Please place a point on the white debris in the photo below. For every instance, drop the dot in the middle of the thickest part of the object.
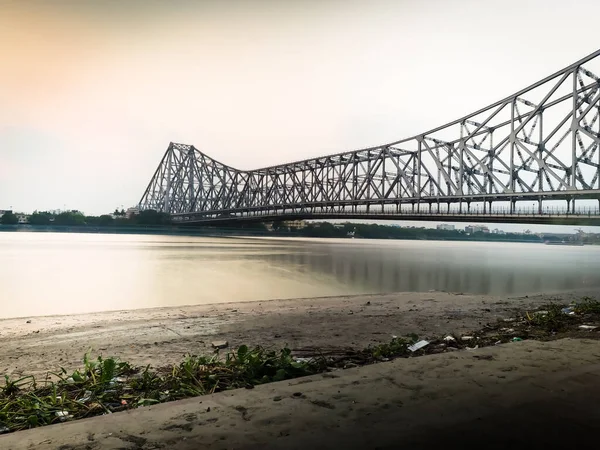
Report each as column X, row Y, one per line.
column 87, row 396
column 588, row 327
column 418, row 345
column 449, row 338
column 220, row 344
column 62, row 415
column 466, row 338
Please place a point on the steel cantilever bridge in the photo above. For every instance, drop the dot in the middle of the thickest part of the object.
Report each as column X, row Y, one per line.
column 506, row 163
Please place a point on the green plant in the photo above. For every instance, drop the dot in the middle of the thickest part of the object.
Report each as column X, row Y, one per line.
column 587, row 305
column 551, row 319
column 396, row 347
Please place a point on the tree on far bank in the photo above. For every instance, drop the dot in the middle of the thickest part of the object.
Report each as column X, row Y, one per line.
column 151, row 217
column 70, row 218
column 40, row 218
column 105, row 220
column 9, row 218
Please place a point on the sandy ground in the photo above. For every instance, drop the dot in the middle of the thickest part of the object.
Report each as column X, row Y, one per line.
column 519, row 395
column 32, row 346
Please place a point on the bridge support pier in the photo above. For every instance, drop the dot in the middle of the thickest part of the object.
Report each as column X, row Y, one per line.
column 540, row 206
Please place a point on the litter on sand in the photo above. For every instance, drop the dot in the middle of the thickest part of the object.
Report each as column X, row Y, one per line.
column 418, row 345
column 220, row 344
column 588, row 327
column 302, row 360
column 569, row 311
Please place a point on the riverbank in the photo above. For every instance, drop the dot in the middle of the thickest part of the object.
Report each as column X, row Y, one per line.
column 162, row 336
column 520, row 395
column 321, row 230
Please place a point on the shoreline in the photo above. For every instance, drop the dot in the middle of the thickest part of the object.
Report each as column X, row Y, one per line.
column 165, row 334
column 580, row 291
column 251, row 233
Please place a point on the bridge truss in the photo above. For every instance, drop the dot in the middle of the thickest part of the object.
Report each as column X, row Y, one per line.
column 542, row 143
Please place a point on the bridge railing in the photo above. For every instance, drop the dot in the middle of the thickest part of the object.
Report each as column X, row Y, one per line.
column 547, row 213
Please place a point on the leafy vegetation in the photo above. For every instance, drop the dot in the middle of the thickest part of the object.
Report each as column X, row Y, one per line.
column 587, row 306
column 375, row 231
column 395, row 348
column 78, row 219
column 9, row 218
column 109, row 385
column 550, row 319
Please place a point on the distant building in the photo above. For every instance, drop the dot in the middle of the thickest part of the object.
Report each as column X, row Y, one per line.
column 132, row 212
column 476, row 229
column 295, row 224
column 23, row 219
column 497, row 231
column 445, row 226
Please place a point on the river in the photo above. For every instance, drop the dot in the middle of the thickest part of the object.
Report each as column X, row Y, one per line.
column 66, row 273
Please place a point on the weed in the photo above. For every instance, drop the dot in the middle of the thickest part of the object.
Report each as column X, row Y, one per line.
column 587, row 305
column 109, row 385
column 395, row 348
column 552, row 319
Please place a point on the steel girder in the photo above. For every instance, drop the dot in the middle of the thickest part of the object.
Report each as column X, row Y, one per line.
column 540, row 143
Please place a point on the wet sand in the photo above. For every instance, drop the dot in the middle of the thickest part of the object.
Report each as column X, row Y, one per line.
column 33, row 346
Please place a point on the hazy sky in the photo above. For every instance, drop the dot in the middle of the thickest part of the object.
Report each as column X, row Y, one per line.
column 92, row 92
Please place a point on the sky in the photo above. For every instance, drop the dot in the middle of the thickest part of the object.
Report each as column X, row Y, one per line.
column 92, row 92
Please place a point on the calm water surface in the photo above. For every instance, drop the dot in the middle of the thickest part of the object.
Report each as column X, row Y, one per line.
column 58, row 273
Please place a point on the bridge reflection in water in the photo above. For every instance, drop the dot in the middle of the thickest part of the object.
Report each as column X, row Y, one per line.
column 420, row 266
